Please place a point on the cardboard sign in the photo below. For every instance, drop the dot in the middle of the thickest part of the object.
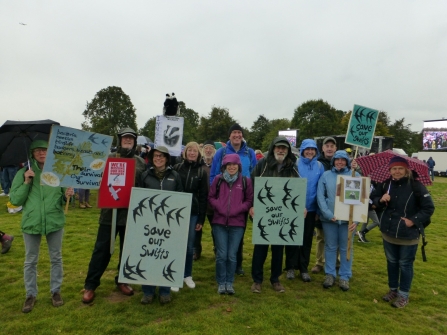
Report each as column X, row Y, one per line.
column 154, row 250
column 352, row 191
column 169, row 133
column 117, row 183
column 279, row 205
column 75, row 158
column 362, row 126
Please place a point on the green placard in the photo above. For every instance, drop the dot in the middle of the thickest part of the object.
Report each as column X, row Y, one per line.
column 362, row 126
column 279, row 205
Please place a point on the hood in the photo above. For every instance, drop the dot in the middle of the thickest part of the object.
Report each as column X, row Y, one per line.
column 341, row 154
column 231, row 158
column 290, row 155
column 37, row 144
column 308, row 143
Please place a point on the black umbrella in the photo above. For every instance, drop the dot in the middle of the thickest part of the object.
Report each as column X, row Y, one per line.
column 16, row 137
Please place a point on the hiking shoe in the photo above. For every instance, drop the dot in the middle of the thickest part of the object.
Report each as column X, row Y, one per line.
column 240, row 271
column 400, row 302
column 57, row 299
column 328, row 281
column 362, row 237
column 290, row 274
column 390, row 296
column 147, row 299
column 305, row 277
column 343, row 284
column 230, row 289
column 256, row 288
column 175, row 289
column 7, row 242
column 317, row 269
column 278, row 287
column 29, row 304
column 189, row 282
column 165, row 299
column 221, row 289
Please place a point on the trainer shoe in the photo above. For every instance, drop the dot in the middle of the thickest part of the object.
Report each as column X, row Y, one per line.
column 189, row 282
column 175, row 289
column 221, row 289
column 147, row 299
column 400, row 302
column 290, row 274
column 57, row 299
column 317, row 269
column 165, row 299
column 29, row 304
column 240, row 271
column 278, row 287
column 343, row 284
column 328, row 281
column 362, row 237
column 390, row 296
column 230, row 289
column 256, row 288
column 305, row 277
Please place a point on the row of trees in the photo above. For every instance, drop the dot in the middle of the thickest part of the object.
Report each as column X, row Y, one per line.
column 112, row 109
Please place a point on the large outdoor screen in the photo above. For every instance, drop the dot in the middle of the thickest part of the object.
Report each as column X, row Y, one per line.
column 434, row 135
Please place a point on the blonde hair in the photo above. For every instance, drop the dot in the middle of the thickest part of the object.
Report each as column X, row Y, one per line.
column 192, row 145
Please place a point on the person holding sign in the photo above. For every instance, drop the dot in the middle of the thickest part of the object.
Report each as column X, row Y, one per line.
column 43, row 214
column 335, row 231
column 159, row 176
column 127, row 143
column 231, row 197
column 280, row 162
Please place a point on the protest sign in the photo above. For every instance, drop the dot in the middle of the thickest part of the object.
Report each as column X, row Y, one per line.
column 75, row 158
column 169, row 133
column 279, row 205
column 352, row 191
column 117, row 183
column 157, row 228
column 362, row 126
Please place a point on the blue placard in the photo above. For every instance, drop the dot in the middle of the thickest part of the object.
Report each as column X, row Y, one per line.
column 154, row 248
column 362, row 126
column 279, row 205
column 75, row 158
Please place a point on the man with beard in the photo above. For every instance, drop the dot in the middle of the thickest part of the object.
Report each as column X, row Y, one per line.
column 127, row 143
column 280, row 162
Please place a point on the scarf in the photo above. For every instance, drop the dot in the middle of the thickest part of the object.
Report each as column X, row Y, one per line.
column 230, row 179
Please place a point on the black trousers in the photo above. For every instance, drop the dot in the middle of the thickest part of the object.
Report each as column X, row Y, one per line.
column 259, row 256
column 198, row 239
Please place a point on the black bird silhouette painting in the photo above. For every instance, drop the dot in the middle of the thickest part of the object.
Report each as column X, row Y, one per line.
column 260, row 197
column 281, row 235
column 139, row 271
column 157, row 212
column 104, row 142
column 138, row 211
column 163, row 204
column 292, row 230
column 294, row 204
column 169, row 216
column 128, row 270
column 178, row 216
column 270, row 195
column 152, row 202
column 167, row 272
column 358, row 116
column 92, row 138
column 261, row 227
column 287, row 196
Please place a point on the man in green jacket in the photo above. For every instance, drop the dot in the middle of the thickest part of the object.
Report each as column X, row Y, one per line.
column 43, row 215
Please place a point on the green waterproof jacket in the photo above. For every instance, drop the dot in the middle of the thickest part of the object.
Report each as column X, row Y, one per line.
column 43, row 206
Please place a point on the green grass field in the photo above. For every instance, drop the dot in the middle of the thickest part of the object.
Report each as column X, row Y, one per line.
column 305, row 308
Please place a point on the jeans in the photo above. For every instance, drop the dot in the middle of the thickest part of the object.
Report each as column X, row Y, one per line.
column 336, row 238
column 190, row 245
column 432, row 173
column 257, row 265
column 101, row 256
column 227, row 240
column 32, row 248
column 150, row 290
column 84, row 195
column 400, row 259
column 8, row 173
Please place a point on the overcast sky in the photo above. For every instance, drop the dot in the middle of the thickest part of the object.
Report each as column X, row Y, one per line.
column 252, row 57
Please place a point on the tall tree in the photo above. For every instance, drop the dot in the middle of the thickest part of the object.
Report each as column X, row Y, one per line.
column 191, row 122
column 215, row 126
column 110, row 110
column 317, row 118
column 148, row 129
column 275, row 126
column 404, row 138
column 261, row 126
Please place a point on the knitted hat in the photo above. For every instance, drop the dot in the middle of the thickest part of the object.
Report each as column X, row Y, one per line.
column 235, row 126
column 398, row 161
column 209, row 142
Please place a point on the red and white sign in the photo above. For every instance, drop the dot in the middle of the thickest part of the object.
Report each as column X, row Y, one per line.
column 117, row 183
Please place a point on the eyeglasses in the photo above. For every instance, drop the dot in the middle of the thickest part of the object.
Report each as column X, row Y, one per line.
column 39, row 150
column 159, row 156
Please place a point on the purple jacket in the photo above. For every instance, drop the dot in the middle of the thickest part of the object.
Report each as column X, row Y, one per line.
column 231, row 204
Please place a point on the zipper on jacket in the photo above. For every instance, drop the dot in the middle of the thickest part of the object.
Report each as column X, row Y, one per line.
column 228, row 206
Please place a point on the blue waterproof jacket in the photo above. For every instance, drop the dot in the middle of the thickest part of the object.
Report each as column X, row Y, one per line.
column 312, row 170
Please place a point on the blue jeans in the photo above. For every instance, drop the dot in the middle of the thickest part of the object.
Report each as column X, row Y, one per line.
column 9, row 172
column 32, row 248
column 190, row 245
column 150, row 290
column 400, row 259
column 431, row 171
column 336, row 237
column 227, row 243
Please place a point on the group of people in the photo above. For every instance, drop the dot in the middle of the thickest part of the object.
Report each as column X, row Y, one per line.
column 221, row 183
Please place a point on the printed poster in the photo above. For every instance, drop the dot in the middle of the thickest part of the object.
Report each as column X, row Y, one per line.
column 75, row 158
column 362, row 126
column 169, row 133
column 279, row 205
column 352, row 191
column 157, row 227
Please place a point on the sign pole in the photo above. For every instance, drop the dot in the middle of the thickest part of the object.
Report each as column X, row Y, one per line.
column 113, row 231
column 351, row 215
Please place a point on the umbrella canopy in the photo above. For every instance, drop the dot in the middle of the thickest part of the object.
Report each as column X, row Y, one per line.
column 143, row 140
column 16, row 137
column 376, row 167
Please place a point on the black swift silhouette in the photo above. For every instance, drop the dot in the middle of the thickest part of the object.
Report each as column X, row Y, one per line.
column 104, row 142
column 281, row 235
column 261, row 227
column 170, row 217
column 152, row 202
column 139, row 271
column 139, row 209
column 269, row 193
column 294, row 204
column 128, row 270
column 178, row 216
column 287, row 196
column 261, row 198
column 92, row 138
column 358, row 115
column 167, row 272
column 292, row 230
column 157, row 213
column 352, row 131
column 163, row 204
column 370, row 116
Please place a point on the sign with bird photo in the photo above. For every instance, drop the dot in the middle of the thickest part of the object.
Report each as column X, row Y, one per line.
column 362, row 126
column 279, row 205
column 75, row 158
column 154, row 248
